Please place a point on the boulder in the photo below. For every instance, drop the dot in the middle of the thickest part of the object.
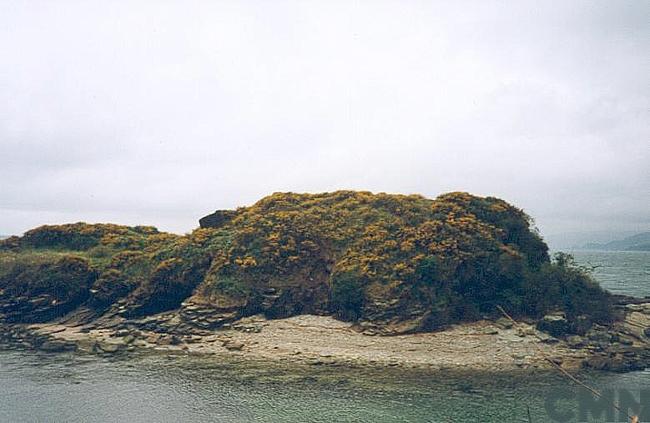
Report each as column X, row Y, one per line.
column 153, row 338
column 636, row 324
column 600, row 336
column 628, row 361
column 233, row 345
column 575, row 342
column 554, row 324
column 503, row 323
column 547, row 339
column 56, row 346
column 217, row 219
column 489, row 331
column 110, row 346
column 641, row 308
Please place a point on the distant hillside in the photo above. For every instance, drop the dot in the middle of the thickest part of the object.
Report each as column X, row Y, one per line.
column 638, row 242
column 572, row 240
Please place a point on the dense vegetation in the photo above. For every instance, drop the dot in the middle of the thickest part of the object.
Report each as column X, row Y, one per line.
column 380, row 258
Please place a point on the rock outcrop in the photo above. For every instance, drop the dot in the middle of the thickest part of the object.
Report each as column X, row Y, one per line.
column 387, row 264
column 217, row 219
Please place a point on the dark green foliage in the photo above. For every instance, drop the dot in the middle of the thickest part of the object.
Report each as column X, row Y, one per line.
column 72, row 237
column 111, row 286
column 427, row 272
column 516, row 225
column 232, row 287
column 64, row 278
column 564, row 286
column 348, row 296
column 82, row 236
column 172, row 281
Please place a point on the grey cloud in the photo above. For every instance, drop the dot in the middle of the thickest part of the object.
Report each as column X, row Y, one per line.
column 159, row 112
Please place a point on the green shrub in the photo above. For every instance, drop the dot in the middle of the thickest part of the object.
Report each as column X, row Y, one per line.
column 83, row 236
column 171, row 282
column 111, row 286
column 564, row 286
column 231, row 287
column 348, row 295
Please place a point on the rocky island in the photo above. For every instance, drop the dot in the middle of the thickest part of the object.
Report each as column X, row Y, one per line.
column 343, row 278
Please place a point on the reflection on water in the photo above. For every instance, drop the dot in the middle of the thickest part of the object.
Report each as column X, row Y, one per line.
column 159, row 388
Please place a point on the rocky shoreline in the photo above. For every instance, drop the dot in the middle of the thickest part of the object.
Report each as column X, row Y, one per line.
column 492, row 346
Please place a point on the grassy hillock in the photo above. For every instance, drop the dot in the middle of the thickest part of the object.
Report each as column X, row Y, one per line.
column 381, row 259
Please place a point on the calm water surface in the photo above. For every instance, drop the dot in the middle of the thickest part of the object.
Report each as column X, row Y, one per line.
column 624, row 272
column 149, row 388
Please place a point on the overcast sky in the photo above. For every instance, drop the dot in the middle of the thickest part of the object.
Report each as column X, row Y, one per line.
column 160, row 112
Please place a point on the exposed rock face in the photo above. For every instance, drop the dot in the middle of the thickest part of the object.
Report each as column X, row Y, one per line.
column 637, row 323
column 217, row 219
column 46, row 291
column 208, row 316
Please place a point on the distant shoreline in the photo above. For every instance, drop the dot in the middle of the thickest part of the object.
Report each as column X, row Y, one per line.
column 638, row 242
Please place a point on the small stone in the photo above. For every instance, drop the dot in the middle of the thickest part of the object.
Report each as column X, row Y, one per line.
column 153, row 338
column 575, row 342
column 164, row 340
column 503, row 323
column 626, row 341
column 109, row 347
column 55, row 346
column 193, row 339
column 233, row 345
column 490, row 331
